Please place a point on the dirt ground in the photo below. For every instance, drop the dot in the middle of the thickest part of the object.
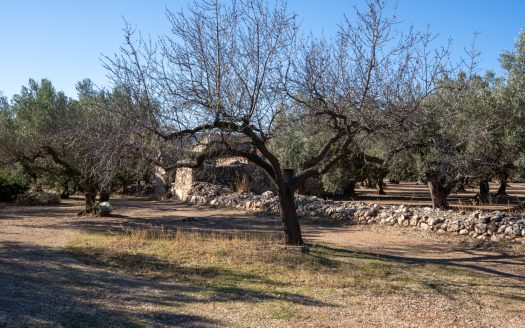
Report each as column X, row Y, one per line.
column 41, row 283
column 411, row 193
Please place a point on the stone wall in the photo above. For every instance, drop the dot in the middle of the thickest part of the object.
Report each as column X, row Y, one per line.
column 159, row 182
column 236, row 175
column 493, row 226
column 184, row 178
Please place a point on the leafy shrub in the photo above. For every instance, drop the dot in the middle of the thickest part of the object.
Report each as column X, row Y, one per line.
column 10, row 186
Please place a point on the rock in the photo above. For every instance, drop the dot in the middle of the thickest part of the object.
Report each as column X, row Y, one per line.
column 105, row 208
column 400, row 219
column 463, row 232
column 434, row 221
column 480, row 228
column 484, row 219
column 513, row 231
column 414, row 220
column 501, row 229
column 453, row 227
column 498, row 217
column 496, row 237
column 424, row 226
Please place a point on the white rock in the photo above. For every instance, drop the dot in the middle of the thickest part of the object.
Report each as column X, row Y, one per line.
column 105, row 208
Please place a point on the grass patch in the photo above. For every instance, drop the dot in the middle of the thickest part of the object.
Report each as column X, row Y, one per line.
column 284, row 282
column 227, row 261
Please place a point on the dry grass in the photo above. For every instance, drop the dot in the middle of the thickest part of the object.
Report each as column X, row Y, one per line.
column 242, row 183
column 324, row 286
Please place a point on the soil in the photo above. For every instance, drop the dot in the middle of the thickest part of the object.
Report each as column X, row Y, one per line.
column 41, row 284
column 417, row 194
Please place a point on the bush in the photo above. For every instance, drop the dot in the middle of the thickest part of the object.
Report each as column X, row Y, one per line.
column 10, row 186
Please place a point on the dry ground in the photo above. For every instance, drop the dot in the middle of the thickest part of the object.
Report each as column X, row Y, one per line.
column 411, row 193
column 57, row 269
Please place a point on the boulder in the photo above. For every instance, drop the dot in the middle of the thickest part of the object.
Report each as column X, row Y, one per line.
column 105, row 208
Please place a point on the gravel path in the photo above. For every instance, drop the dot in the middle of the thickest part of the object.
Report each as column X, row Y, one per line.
column 41, row 284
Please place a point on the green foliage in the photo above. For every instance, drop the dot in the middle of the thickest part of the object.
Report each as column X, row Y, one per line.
column 343, row 176
column 11, row 185
column 298, row 140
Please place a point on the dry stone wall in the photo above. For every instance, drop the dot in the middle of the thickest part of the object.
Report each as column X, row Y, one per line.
column 233, row 175
column 493, row 226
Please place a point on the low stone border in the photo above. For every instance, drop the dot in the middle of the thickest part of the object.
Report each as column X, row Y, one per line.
column 495, row 226
column 37, row 199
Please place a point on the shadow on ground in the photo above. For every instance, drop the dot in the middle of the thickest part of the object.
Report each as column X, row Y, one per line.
column 43, row 286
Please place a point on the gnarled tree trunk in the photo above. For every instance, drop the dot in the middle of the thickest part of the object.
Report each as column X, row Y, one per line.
column 380, row 185
column 502, row 190
column 438, row 191
column 292, row 230
column 484, row 192
column 104, row 195
column 91, row 198
column 65, row 190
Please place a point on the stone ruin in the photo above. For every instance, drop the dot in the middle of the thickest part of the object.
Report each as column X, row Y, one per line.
column 234, row 173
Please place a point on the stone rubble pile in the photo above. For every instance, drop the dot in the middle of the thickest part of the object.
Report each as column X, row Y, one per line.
column 493, row 226
column 37, row 199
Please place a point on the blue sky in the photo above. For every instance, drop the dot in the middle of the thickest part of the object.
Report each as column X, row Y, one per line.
column 63, row 40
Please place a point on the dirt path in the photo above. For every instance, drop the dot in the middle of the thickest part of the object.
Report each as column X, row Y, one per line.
column 41, row 284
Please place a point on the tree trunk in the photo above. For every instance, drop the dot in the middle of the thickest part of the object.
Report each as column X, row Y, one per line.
column 292, row 230
column 380, row 186
column 91, row 197
column 484, row 192
column 502, row 190
column 438, row 194
column 104, row 195
column 65, row 190
column 349, row 189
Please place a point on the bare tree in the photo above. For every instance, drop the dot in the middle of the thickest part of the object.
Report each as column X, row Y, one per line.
column 233, row 69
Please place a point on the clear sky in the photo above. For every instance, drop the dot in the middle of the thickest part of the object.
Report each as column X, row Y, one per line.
column 63, row 40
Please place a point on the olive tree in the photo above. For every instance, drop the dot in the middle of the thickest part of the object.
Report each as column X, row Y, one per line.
column 51, row 135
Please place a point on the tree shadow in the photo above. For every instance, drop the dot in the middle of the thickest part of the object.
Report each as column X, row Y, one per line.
column 509, row 285
column 471, row 262
column 48, row 287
